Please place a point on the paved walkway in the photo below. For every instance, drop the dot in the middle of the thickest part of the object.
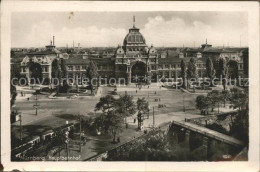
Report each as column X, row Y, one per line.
column 210, row 133
column 133, row 87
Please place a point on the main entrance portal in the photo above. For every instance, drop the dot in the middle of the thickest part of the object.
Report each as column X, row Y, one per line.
column 139, row 73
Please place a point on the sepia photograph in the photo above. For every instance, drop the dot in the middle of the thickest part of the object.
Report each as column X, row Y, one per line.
column 130, row 86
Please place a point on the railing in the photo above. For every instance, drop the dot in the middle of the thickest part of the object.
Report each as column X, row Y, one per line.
column 238, row 143
column 104, row 154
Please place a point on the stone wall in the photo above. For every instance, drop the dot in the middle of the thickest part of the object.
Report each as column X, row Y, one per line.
column 223, row 119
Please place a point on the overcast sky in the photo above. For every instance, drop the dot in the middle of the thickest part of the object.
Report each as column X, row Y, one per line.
column 92, row 29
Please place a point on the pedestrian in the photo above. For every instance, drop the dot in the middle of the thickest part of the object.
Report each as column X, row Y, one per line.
column 136, row 91
column 28, row 98
column 21, row 93
column 148, row 86
column 134, row 120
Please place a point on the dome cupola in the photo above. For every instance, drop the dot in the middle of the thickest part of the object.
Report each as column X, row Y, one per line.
column 134, row 40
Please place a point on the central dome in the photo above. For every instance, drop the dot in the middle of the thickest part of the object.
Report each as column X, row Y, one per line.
column 134, row 37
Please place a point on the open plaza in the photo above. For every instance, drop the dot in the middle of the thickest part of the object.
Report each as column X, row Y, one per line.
column 166, row 105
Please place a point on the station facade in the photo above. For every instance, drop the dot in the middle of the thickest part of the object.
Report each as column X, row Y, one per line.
column 136, row 61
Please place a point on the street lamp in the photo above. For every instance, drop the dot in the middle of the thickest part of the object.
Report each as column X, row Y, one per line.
column 79, row 132
column 36, row 106
column 20, row 119
column 148, row 106
column 183, row 103
column 153, row 118
column 67, row 142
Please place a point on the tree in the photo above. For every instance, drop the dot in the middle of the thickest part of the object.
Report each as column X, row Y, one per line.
column 223, row 72
column 55, row 71
column 240, row 127
column 214, row 98
column 98, row 123
column 239, row 98
column 63, row 68
column 225, row 96
column 125, row 106
column 13, row 94
column 35, row 71
column 232, row 66
column 92, row 74
column 111, row 120
column 62, row 73
column 202, row 103
column 56, row 74
column 106, row 104
column 113, row 124
column 192, row 72
column 143, row 108
column 156, row 147
column 142, row 105
column 210, row 70
column 183, row 73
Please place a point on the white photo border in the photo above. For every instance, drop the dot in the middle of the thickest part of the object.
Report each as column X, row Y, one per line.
column 252, row 8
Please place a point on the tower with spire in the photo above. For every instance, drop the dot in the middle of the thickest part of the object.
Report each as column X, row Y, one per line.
column 206, row 45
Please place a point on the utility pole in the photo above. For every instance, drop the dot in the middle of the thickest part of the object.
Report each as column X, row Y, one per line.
column 125, row 109
column 80, row 132
column 153, row 118
column 36, row 104
column 67, row 142
column 148, row 107
column 218, row 107
column 183, row 103
column 20, row 119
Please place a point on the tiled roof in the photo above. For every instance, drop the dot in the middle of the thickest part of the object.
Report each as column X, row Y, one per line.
column 17, row 58
column 107, row 61
column 174, row 59
column 76, row 59
column 44, row 52
column 224, row 50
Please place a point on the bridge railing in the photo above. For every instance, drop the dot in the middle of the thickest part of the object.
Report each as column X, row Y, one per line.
column 237, row 143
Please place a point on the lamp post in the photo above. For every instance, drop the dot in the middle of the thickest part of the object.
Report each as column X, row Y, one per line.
column 148, row 106
column 67, row 142
column 153, row 118
column 20, row 119
column 79, row 132
column 183, row 103
column 36, row 104
column 125, row 110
